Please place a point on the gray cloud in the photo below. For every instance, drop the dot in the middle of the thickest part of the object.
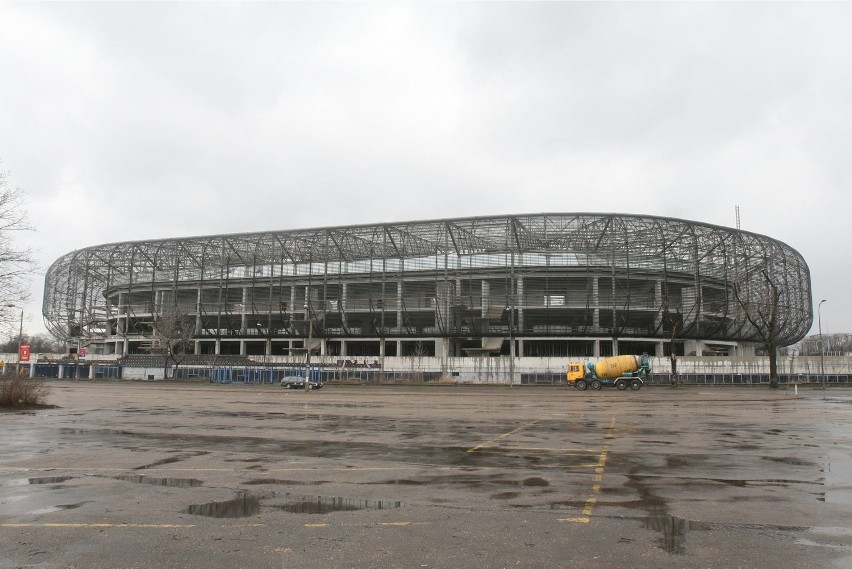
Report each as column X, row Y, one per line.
column 144, row 120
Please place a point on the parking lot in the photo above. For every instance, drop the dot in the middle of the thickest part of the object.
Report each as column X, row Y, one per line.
column 155, row 475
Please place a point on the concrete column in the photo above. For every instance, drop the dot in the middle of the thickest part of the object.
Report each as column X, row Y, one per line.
column 596, row 350
column 344, row 295
column 398, row 309
column 121, row 316
column 243, row 316
column 218, row 348
column 659, row 349
column 693, row 347
column 519, row 288
column 442, row 348
column 615, row 346
column 243, row 344
column 198, row 312
column 486, row 300
column 596, row 312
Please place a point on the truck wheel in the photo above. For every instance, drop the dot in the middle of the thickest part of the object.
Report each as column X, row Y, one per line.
column 621, row 384
column 596, row 384
column 635, row 384
column 581, row 384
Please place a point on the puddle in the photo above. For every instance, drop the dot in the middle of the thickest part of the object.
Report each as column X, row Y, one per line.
column 242, row 506
column 172, row 460
column 285, row 482
column 789, row 460
column 171, row 482
column 838, row 469
column 58, row 508
column 327, row 504
column 674, row 531
column 43, row 480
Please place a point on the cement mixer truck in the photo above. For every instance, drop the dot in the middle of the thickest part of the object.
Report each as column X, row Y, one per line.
column 620, row 372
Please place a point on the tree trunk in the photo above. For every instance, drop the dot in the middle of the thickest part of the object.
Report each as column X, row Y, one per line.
column 773, row 365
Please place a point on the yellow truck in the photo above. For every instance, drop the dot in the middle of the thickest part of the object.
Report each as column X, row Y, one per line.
column 620, row 372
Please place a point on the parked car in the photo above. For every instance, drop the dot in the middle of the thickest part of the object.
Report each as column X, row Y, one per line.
column 298, row 382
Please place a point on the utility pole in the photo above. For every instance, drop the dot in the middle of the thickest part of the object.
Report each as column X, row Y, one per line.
column 308, row 348
column 821, row 349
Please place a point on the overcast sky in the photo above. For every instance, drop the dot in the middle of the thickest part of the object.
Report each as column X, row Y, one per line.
column 127, row 121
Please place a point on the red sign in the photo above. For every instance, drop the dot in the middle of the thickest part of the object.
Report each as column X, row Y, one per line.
column 24, row 353
column 82, row 352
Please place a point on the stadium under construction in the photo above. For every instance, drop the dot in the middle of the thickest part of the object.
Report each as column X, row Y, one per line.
column 532, row 285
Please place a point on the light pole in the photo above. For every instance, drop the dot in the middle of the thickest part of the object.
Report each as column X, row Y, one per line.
column 821, row 349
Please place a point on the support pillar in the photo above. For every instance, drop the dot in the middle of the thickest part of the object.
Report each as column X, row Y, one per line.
column 198, row 312
column 596, row 311
column 519, row 288
column 243, row 317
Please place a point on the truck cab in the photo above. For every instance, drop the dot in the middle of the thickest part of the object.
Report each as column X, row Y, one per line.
column 576, row 370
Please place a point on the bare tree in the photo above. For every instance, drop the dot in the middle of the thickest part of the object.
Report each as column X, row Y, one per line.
column 418, row 351
column 39, row 344
column 760, row 307
column 173, row 334
column 672, row 323
column 17, row 263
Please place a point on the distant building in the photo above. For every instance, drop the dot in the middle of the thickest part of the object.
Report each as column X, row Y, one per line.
column 829, row 345
column 552, row 284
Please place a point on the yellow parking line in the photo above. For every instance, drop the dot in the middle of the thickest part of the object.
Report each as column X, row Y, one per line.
column 103, row 525
column 148, row 470
column 503, row 436
column 98, row 525
column 569, row 451
column 592, row 500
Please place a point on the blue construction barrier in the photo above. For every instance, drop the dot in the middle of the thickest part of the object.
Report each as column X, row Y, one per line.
column 746, row 378
column 255, row 375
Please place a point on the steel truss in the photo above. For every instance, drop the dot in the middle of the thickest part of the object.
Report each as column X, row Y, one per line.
column 554, row 275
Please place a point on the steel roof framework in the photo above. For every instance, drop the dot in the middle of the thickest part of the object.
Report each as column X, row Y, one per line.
column 630, row 250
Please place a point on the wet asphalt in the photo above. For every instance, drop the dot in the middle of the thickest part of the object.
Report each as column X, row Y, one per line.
column 196, row 475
